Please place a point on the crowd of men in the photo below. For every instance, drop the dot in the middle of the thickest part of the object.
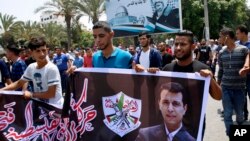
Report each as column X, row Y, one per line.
column 228, row 54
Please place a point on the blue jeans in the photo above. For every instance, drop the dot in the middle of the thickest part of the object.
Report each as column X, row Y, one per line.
column 233, row 99
column 247, row 94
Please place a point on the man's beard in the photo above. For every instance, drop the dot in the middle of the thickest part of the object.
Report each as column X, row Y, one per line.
column 104, row 47
column 185, row 56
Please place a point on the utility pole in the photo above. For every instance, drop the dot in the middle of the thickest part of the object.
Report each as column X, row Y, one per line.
column 207, row 34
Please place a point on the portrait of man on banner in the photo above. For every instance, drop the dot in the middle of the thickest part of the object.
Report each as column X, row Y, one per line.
column 127, row 103
column 166, row 13
column 173, row 106
column 130, row 17
column 114, row 105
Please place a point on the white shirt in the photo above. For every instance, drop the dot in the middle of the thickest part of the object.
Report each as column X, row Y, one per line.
column 172, row 134
column 43, row 78
column 144, row 59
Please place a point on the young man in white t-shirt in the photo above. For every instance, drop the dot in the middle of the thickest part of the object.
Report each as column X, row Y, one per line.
column 44, row 75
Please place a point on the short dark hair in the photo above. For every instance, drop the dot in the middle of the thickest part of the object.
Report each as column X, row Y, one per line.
column 102, row 24
column 174, row 87
column 88, row 48
column 242, row 28
column 158, row 2
column 36, row 42
column 14, row 48
column 187, row 33
column 227, row 32
column 144, row 33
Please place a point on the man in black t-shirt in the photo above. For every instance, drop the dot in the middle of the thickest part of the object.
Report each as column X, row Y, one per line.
column 166, row 58
column 184, row 45
column 204, row 53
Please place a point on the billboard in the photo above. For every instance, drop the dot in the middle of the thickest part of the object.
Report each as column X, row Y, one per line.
column 129, row 17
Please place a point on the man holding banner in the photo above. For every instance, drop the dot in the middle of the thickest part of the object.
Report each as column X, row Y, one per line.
column 184, row 44
column 44, row 75
column 108, row 56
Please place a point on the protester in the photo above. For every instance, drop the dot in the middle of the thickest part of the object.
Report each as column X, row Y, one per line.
column 108, row 56
column 44, row 75
column 78, row 61
column 183, row 47
column 4, row 74
column 231, row 60
column 148, row 58
column 166, row 58
column 242, row 37
column 88, row 58
column 63, row 63
column 18, row 65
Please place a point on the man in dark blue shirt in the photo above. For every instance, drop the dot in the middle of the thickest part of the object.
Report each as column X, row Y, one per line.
column 18, row 65
column 4, row 74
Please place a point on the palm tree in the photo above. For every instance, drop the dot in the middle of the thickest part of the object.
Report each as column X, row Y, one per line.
column 8, row 25
column 54, row 33
column 27, row 30
column 7, row 21
column 64, row 8
column 92, row 8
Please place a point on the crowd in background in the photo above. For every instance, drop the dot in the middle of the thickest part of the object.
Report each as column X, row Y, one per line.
column 14, row 60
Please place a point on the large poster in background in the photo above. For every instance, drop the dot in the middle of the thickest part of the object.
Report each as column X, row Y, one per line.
column 106, row 105
column 129, row 17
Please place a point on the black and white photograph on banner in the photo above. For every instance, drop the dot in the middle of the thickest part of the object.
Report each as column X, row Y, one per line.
column 130, row 17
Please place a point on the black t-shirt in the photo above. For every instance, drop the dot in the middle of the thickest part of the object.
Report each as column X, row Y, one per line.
column 29, row 61
column 166, row 59
column 204, row 53
column 195, row 66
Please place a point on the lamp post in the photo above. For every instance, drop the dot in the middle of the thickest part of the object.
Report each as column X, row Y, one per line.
column 207, row 35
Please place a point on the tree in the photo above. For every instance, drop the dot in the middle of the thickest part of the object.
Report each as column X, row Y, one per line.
column 87, row 39
column 8, row 25
column 228, row 13
column 64, row 8
column 91, row 8
column 76, row 32
column 54, row 33
column 27, row 30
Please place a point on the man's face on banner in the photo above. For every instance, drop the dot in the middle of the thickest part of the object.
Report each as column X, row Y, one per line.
column 159, row 6
column 183, row 47
column 172, row 109
column 102, row 38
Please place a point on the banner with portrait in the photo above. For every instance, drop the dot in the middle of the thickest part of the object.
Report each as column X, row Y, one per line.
column 129, row 17
column 104, row 104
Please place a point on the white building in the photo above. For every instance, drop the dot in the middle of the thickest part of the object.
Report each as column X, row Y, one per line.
column 52, row 17
column 56, row 18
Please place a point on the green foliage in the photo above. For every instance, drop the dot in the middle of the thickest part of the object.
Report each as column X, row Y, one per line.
column 54, row 33
column 8, row 25
column 64, row 8
column 229, row 13
column 87, row 39
column 91, row 8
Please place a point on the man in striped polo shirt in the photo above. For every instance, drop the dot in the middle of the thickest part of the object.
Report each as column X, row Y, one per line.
column 231, row 59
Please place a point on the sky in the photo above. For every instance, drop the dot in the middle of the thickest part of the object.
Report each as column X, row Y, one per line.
column 24, row 10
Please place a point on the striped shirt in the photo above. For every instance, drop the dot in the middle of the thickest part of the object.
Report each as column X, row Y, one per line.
column 230, row 62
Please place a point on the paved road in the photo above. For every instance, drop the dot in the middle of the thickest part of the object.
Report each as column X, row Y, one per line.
column 215, row 128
